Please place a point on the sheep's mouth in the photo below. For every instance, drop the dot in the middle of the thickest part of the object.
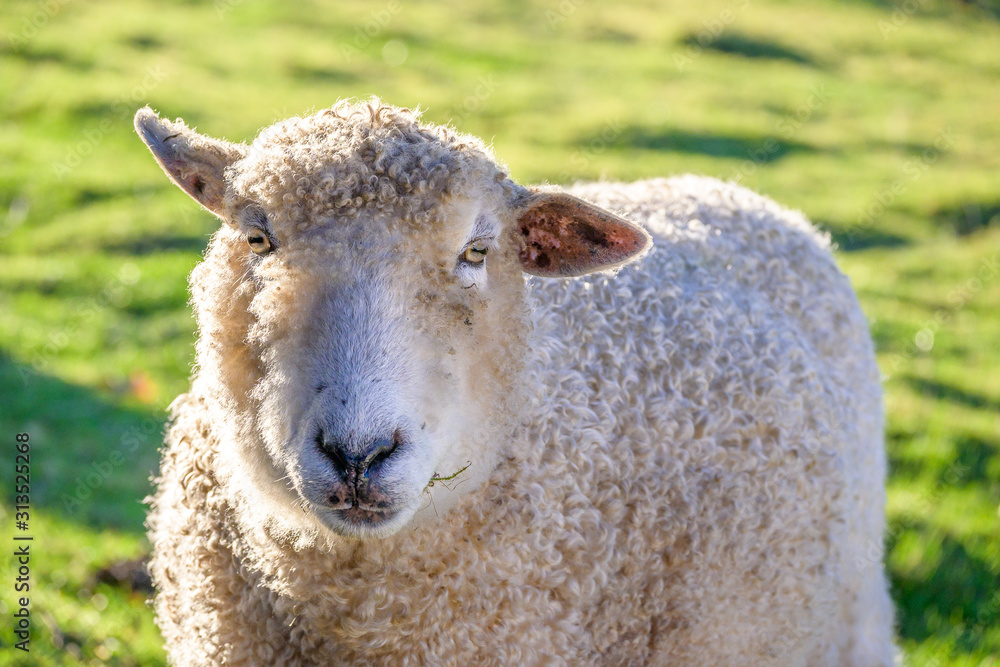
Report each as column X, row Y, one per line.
column 365, row 518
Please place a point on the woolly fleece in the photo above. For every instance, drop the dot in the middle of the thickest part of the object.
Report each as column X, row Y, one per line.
column 696, row 477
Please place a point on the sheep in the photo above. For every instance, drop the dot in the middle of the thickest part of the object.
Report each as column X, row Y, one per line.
column 442, row 418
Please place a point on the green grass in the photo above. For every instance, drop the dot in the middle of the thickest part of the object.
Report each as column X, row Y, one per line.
column 879, row 124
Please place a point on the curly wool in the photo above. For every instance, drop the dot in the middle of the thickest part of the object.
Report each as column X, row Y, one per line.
column 356, row 157
column 696, row 479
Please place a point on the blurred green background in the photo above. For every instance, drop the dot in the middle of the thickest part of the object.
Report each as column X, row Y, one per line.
column 880, row 121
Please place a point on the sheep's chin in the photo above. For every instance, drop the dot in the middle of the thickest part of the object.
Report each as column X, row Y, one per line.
column 353, row 524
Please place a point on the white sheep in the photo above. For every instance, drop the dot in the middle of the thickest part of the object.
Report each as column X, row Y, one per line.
column 399, row 450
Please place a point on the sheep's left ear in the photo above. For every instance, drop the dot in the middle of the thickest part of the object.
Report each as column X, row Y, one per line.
column 565, row 236
column 196, row 163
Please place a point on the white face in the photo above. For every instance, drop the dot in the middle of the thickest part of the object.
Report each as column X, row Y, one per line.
column 388, row 377
column 367, row 370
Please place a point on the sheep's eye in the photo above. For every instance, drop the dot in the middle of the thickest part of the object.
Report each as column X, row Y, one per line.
column 475, row 253
column 259, row 243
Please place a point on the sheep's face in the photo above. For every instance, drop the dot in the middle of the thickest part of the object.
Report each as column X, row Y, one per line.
column 363, row 314
column 391, row 356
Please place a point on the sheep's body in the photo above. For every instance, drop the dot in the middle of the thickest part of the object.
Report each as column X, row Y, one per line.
column 697, row 480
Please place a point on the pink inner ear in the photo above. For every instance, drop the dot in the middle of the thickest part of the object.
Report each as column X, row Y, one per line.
column 572, row 238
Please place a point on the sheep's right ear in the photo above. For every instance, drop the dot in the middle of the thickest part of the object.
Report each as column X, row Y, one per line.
column 196, row 163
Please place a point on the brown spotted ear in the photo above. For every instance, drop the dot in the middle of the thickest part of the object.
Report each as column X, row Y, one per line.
column 565, row 236
column 193, row 161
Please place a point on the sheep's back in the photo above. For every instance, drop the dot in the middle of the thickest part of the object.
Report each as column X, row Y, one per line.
column 718, row 406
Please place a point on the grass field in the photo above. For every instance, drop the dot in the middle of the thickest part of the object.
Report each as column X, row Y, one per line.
column 879, row 121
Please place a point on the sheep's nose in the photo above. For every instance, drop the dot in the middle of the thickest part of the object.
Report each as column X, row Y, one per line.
column 353, row 463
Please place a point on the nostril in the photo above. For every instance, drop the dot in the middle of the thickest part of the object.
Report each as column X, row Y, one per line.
column 381, row 450
column 379, row 456
column 335, row 452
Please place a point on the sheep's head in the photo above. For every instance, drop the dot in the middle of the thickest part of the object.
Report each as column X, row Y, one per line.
column 363, row 313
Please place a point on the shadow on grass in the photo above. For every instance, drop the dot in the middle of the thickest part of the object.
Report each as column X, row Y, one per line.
column 91, row 459
column 748, row 46
column 851, row 240
column 756, row 148
column 150, row 245
column 952, row 585
column 94, row 195
column 915, row 469
column 320, row 74
column 38, row 56
column 913, row 148
column 976, row 462
column 968, row 217
column 144, row 42
column 952, row 393
column 991, row 8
